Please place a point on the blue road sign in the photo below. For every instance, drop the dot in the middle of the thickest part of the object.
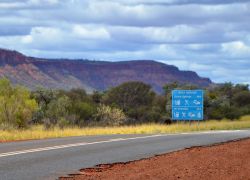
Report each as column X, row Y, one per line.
column 187, row 104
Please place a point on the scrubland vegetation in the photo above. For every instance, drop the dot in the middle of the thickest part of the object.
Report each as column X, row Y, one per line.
column 131, row 107
column 38, row 131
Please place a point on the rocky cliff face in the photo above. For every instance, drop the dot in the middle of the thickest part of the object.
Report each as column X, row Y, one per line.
column 90, row 75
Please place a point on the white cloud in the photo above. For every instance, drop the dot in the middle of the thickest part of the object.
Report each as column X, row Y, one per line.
column 90, row 33
column 37, row 2
column 211, row 37
column 23, row 4
column 27, row 39
column 236, row 49
column 6, row 5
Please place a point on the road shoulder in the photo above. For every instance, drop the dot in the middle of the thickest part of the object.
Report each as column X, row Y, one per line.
column 222, row 161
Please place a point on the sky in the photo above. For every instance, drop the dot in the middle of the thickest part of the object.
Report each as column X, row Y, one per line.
column 211, row 37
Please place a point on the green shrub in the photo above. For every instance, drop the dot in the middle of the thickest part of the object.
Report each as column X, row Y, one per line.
column 130, row 95
column 232, row 113
column 84, row 110
column 242, row 98
column 57, row 109
column 62, row 123
column 16, row 106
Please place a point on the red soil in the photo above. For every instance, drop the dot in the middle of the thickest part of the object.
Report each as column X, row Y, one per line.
column 229, row 161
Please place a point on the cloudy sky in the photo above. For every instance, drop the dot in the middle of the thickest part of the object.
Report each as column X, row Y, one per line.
column 211, row 37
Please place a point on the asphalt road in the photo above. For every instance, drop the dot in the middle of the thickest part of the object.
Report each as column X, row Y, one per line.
column 51, row 158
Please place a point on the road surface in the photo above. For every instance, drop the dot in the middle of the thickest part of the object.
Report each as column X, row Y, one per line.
column 51, row 158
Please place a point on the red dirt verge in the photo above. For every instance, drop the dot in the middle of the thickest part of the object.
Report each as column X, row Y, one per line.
column 229, row 161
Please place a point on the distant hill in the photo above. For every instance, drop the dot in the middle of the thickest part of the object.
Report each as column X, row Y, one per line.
column 90, row 75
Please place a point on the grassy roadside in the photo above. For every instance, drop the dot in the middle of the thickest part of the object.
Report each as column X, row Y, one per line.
column 37, row 132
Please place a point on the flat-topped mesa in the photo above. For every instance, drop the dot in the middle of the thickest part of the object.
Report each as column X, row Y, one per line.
column 12, row 57
column 91, row 75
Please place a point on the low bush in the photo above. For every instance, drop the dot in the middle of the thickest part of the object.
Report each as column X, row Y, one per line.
column 109, row 116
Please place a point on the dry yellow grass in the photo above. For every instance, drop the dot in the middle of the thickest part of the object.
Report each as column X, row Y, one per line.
column 37, row 132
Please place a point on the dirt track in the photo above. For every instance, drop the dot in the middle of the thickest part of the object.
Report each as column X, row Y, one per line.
column 226, row 161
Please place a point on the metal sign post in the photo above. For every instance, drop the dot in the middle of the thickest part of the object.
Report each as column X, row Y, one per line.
column 187, row 105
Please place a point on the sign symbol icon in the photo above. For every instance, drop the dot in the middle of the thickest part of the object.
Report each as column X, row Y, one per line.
column 177, row 102
column 183, row 114
column 196, row 102
column 191, row 114
column 186, row 102
column 177, row 114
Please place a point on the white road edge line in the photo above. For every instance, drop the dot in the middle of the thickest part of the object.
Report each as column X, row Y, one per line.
column 106, row 141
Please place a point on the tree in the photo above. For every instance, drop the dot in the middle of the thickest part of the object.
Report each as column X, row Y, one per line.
column 58, row 109
column 16, row 106
column 169, row 87
column 130, row 95
column 78, row 95
column 83, row 110
column 226, row 90
column 241, row 87
column 82, row 106
column 134, row 98
column 43, row 97
column 242, row 98
column 227, row 101
column 97, row 97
